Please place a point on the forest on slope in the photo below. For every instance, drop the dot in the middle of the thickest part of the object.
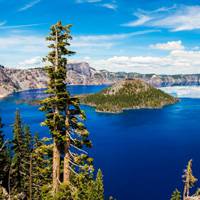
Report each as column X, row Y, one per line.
column 128, row 94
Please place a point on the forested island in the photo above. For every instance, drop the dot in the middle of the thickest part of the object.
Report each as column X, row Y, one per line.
column 128, row 94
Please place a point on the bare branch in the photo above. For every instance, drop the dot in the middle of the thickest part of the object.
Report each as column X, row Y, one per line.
column 81, row 166
column 73, row 170
column 4, row 144
column 79, row 149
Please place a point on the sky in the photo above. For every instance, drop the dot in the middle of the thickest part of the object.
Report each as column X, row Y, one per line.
column 144, row 36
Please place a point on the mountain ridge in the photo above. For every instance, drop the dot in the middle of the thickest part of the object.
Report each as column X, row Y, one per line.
column 14, row 80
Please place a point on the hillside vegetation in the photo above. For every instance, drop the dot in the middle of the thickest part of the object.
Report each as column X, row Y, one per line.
column 128, row 94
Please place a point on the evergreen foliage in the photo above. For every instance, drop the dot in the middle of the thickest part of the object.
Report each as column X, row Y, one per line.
column 17, row 170
column 128, row 94
column 176, row 195
column 4, row 158
column 99, row 186
column 41, row 166
column 188, row 179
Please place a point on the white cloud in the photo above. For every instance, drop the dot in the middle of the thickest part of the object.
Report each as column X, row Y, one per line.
column 112, row 36
column 15, row 48
column 176, row 62
column 142, row 19
column 158, row 10
column 111, row 5
column 2, row 23
column 26, row 51
column 106, row 41
column 21, row 43
column 18, row 26
column 88, row 1
column 171, row 45
column 183, row 91
column 182, row 18
column 29, row 5
column 21, row 46
column 32, row 62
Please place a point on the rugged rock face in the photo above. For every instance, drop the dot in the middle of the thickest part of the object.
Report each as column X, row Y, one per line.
column 12, row 80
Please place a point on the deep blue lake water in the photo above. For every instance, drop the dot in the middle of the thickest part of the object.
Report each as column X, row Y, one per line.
column 142, row 153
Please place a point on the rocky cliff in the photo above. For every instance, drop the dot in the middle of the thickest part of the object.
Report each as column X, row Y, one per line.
column 12, row 80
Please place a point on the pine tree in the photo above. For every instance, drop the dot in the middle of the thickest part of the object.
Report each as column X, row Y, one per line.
column 27, row 161
column 63, row 114
column 41, row 166
column 188, row 179
column 176, row 195
column 4, row 159
column 99, row 186
column 17, row 166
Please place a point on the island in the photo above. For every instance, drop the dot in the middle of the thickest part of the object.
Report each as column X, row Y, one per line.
column 128, row 94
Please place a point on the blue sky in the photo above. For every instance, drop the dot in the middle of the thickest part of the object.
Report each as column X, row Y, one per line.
column 118, row 35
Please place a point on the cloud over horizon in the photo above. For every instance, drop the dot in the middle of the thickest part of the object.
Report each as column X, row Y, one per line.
column 177, row 61
column 171, row 45
column 181, row 18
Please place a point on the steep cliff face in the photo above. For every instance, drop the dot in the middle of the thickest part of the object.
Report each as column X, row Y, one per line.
column 12, row 80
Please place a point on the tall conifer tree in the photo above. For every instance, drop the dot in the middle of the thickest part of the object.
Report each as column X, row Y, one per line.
column 27, row 160
column 63, row 114
column 4, row 158
column 41, row 166
column 99, row 186
column 17, row 165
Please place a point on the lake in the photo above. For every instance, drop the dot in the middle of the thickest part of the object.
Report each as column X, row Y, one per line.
column 142, row 153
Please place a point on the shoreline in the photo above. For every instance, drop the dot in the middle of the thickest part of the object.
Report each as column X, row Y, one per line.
column 2, row 96
column 131, row 108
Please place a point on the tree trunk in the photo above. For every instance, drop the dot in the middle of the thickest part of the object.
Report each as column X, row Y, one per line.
column 56, row 149
column 56, row 166
column 66, row 170
column 9, row 188
column 184, row 193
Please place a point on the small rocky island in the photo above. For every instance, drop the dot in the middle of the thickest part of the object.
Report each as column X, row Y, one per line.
column 128, row 94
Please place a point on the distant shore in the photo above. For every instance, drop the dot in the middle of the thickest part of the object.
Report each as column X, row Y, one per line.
column 4, row 95
column 27, row 89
